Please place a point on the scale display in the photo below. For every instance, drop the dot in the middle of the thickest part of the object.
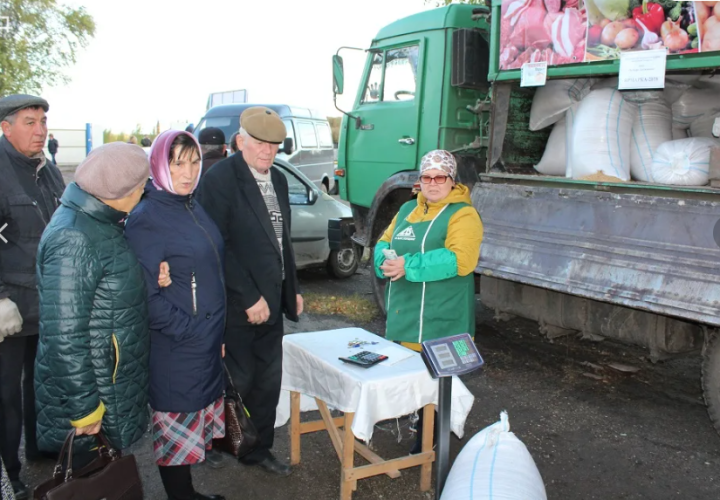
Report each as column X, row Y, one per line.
column 455, row 355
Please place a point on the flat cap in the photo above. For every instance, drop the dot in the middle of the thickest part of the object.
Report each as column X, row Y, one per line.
column 14, row 103
column 263, row 124
column 211, row 136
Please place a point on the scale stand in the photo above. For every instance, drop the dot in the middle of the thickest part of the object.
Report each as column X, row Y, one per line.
column 445, row 358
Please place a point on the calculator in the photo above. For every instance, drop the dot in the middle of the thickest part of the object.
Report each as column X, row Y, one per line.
column 365, row 359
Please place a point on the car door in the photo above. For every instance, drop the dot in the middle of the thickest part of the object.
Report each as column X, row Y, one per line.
column 388, row 110
column 309, row 223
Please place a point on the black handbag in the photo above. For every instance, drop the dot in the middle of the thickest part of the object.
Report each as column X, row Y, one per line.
column 241, row 436
column 110, row 476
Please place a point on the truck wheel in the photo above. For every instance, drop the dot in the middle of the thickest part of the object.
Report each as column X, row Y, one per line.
column 344, row 262
column 711, row 378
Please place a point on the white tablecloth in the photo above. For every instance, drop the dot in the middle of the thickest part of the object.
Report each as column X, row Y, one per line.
column 389, row 389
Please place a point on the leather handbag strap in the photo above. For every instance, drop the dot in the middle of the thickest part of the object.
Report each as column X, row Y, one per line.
column 104, row 447
column 67, row 446
column 236, row 394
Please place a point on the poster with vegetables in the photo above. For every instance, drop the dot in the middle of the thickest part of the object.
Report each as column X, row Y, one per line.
column 630, row 25
column 707, row 15
column 573, row 31
column 542, row 30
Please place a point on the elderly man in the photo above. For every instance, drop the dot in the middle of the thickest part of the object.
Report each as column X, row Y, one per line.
column 248, row 200
column 29, row 192
column 214, row 149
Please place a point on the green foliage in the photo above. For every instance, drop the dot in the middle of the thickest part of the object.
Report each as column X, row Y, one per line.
column 110, row 136
column 42, row 40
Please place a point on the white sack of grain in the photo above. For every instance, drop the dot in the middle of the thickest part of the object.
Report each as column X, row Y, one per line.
column 683, row 163
column 601, row 135
column 554, row 98
column 494, row 465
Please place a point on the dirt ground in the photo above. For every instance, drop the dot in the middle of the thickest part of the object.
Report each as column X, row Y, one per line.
column 594, row 432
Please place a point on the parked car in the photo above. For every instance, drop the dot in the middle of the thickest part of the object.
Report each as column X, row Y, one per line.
column 310, row 145
column 322, row 227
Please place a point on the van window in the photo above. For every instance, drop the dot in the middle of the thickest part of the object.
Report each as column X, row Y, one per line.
column 400, row 74
column 324, row 135
column 307, row 135
column 228, row 124
column 290, row 132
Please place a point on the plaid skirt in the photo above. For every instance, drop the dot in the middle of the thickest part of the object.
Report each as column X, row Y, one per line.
column 182, row 438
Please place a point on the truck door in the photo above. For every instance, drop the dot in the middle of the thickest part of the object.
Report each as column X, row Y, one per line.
column 388, row 106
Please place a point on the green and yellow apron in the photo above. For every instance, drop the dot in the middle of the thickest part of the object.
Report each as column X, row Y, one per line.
column 418, row 311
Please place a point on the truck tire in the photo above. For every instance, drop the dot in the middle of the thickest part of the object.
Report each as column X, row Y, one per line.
column 711, row 378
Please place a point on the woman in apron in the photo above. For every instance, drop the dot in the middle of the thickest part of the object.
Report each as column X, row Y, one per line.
column 431, row 292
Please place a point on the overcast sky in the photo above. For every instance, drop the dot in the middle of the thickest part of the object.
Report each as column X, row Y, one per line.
column 155, row 60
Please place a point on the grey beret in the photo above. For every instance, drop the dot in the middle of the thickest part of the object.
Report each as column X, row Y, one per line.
column 14, row 103
column 263, row 124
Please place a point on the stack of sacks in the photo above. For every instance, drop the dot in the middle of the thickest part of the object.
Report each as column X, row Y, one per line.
column 556, row 104
column 652, row 126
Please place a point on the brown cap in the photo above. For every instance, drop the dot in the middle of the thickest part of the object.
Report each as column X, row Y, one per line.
column 263, row 124
column 113, row 171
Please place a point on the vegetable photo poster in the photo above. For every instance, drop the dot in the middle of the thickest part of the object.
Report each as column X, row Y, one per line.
column 616, row 26
column 573, row 31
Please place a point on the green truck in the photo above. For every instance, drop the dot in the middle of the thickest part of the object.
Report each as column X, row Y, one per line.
column 629, row 261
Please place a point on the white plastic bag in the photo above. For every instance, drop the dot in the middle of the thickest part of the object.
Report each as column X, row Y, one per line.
column 555, row 156
column 494, row 465
column 554, row 98
column 693, row 104
column 683, row 163
column 601, row 135
column 652, row 126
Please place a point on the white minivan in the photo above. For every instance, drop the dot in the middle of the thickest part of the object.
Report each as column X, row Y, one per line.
column 310, row 146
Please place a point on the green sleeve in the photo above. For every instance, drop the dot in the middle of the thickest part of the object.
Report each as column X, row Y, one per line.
column 379, row 257
column 68, row 272
column 435, row 265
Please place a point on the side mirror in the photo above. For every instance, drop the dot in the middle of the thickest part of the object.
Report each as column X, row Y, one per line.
column 312, row 197
column 190, row 128
column 288, row 146
column 338, row 75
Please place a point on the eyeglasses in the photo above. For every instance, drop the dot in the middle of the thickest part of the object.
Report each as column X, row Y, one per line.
column 439, row 179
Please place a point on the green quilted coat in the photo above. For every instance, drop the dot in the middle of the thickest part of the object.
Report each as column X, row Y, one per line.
column 94, row 338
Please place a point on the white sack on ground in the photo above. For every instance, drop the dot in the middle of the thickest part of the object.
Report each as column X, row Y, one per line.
column 601, row 135
column 554, row 98
column 652, row 127
column 494, row 465
column 555, row 155
column 683, row 163
column 693, row 104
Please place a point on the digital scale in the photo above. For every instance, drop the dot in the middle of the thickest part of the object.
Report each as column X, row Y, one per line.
column 445, row 358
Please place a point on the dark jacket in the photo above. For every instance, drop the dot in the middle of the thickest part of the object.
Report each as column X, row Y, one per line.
column 209, row 159
column 53, row 146
column 253, row 266
column 94, row 340
column 28, row 198
column 186, row 372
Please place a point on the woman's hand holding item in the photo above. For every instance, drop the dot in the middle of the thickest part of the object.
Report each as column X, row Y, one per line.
column 259, row 313
column 164, row 278
column 394, row 269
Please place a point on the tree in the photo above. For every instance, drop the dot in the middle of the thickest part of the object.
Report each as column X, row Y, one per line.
column 41, row 40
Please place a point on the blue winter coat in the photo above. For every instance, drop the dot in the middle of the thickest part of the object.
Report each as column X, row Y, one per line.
column 187, row 327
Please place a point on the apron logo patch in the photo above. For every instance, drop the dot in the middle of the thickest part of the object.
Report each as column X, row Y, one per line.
column 406, row 234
